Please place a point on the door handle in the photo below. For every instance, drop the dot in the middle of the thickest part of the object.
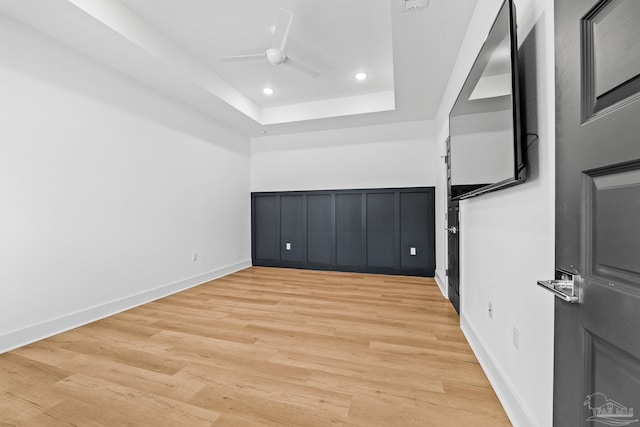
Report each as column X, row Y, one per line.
column 564, row 286
column 452, row 230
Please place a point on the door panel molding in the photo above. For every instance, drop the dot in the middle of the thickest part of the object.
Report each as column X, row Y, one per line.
column 610, row 76
column 610, row 370
column 611, row 203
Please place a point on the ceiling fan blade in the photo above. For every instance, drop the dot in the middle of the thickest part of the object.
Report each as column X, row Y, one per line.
column 283, row 25
column 243, row 57
column 301, row 67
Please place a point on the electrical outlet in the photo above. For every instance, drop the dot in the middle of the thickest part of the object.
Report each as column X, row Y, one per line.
column 516, row 338
column 412, row 251
column 490, row 309
column 194, row 257
column 287, row 246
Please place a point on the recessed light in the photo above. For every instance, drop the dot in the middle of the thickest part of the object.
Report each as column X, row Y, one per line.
column 360, row 76
column 268, row 91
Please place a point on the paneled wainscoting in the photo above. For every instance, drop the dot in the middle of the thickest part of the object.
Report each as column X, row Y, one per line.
column 263, row 346
column 379, row 230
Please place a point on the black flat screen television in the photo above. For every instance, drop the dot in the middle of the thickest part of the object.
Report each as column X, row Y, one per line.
column 485, row 129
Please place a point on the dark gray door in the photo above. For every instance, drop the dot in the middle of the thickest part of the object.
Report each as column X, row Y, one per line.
column 453, row 252
column 597, row 340
column 453, row 239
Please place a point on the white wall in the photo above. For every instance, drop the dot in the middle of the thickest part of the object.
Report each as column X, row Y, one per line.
column 507, row 237
column 106, row 191
column 396, row 155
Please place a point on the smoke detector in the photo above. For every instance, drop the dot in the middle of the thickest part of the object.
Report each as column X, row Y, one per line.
column 410, row 5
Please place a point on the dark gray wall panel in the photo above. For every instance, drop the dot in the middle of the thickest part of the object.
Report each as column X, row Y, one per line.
column 266, row 227
column 349, row 248
column 319, row 229
column 416, row 223
column 291, row 228
column 381, row 230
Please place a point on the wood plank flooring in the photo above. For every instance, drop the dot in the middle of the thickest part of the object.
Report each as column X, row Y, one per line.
column 260, row 347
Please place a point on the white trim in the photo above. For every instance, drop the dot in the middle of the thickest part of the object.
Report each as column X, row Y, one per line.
column 517, row 413
column 442, row 284
column 334, row 107
column 33, row 333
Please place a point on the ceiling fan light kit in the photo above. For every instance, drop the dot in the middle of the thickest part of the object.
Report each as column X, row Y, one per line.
column 276, row 55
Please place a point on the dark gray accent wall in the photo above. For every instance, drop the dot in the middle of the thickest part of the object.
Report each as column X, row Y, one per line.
column 387, row 231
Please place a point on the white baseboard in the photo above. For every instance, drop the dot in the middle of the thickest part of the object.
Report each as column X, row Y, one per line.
column 441, row 284
column 30, row 334
column 516, row 412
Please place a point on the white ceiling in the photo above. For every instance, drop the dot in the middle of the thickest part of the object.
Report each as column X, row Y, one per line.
column 175, row 47
column 331, row 38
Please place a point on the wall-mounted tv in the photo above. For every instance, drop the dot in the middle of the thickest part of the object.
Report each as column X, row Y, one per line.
column 485, row 129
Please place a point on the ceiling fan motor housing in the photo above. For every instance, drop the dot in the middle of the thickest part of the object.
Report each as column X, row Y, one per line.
column 275, row 56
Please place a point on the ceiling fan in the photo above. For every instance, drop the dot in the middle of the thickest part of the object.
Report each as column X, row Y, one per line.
column 276, row 55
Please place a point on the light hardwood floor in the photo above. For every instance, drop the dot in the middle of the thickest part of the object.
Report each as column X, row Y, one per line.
column 260, row 347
